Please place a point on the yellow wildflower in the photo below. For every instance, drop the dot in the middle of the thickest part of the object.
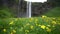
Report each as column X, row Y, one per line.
column 48, row 25
column 43, row 26
column 47, row 20
column 31, row 19
column 48, row 30
column 4, row 30
column 31, row 27
column 11, row 33
column 14, row 31
column 11, row 22
column 36, row 20
column 53, row 22
column 26, row 30
column 44, row 16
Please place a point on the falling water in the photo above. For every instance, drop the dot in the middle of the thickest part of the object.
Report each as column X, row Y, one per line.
column 29, row 9
column 28, row 12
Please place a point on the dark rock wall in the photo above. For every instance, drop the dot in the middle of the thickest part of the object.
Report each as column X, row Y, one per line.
column 40, row 8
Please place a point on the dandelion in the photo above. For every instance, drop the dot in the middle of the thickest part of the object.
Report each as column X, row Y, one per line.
column 11, row 22
column 47, row 20
column 26, row 30
column 48, row 25
column 4, row 30
column 14, row 31
column 53, row 22
column 31, row 27
column 11, row 33
column 36, row 20
column 31, row 19
column 48, row 30
column 44, row 16
column 43, row 26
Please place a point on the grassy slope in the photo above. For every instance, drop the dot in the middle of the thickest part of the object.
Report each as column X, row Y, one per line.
column 55, row 12
column 30, row 25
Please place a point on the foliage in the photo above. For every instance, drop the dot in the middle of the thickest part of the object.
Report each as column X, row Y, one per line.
column 55, row 2
column 40, row 25
column 5, row 13
column 55, row 12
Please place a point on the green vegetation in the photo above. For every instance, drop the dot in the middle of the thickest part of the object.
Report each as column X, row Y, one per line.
column 55, row 12
column 40, row 25
column 5, row 13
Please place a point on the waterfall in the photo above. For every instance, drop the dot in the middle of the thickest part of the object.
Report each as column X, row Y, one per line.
column 28, row 9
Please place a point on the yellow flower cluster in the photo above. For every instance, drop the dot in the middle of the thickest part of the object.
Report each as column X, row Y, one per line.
column 44, row 16
column 43, row 26
column 4, row 30
column 32, row 24
column 31, row 19
column 36, row 20
column 48, row 29
column 31, row 27
column 14, row 31
column 11, row 22
column 26, row 30
column 11, row 33
column 53, row 22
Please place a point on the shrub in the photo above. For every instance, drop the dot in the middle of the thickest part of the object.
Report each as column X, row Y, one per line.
column 55, row 12
column 5, row 13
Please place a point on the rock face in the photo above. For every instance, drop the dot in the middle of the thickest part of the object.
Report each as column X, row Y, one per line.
column 40, row 8
column 37, row 9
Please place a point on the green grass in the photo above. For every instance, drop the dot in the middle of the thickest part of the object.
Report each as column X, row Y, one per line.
column 6, row 13
column 55, row 12
column 39, row 25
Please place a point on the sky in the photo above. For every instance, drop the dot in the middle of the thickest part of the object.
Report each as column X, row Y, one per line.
column 36, row 0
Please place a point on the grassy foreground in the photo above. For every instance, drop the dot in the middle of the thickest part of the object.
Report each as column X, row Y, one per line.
column 39, row 25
